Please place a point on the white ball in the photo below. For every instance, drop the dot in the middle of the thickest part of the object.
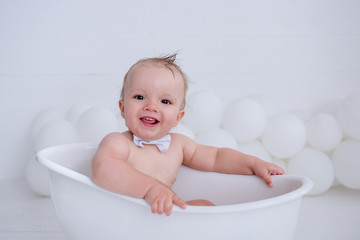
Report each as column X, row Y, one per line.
column 94, row 124
column 336, row 182
column 43, row 118
column 315, row 165
column 348, row 115
column 122, row 123
column 217, row 137
column 284, row 136
column 184, row 130
column 37, row 177
column 255, row 148
column 56, row 133
column 281, row 163
column 346, row 159
column 324, row 132
column 203, row 111
column 330, row 107
column 245, row 119
column 303, row 114
column 269, row 104
column 75, row 111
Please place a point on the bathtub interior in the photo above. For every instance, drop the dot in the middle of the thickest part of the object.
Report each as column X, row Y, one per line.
column 74, row 161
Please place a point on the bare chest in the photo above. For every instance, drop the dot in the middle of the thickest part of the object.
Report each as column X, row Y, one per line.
column 162, row 166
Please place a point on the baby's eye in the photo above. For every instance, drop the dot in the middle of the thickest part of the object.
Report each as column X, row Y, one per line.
column 165, row 101
column 139, row 97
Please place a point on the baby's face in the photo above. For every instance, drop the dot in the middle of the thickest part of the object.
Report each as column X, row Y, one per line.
column 152, row 102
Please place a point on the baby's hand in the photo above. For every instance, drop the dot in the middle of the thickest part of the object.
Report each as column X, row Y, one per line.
column 161, row 199
column 264, row 170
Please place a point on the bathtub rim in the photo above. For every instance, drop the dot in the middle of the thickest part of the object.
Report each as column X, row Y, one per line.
column 302, row 190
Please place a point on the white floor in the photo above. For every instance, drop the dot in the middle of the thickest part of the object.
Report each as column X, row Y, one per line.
column 334, row 215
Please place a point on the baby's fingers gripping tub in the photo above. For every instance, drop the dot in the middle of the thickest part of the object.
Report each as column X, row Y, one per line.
column 246, row 208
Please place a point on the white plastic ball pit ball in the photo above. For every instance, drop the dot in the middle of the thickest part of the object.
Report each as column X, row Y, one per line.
column 122, row 124
column 75, row 111
column 56, row 133
column 304, row 114
column 204, row 111
column 315, row 165
column 346, row 159
column 284, row 136
column 245, row 119
column 37, row 177
column 324, row 132
column 269, row 103
column 43, row 118
column 184, row 130
column 94, row 124
column 255, row 148
column 217, row 137
column 281, row 163
column 348, row 115
column 330, row 107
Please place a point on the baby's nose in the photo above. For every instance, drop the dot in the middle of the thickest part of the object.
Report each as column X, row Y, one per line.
column 151, row 106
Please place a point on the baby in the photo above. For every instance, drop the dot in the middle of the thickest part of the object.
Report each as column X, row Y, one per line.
column 144, row 161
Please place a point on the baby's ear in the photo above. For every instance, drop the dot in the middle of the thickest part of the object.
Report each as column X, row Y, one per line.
column 179, row 117
column 121, row 106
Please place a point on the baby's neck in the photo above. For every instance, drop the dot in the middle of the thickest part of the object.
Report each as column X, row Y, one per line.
column 149, row 140
column 162, row 143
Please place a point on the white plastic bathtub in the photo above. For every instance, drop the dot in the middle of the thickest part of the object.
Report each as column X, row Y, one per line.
column 246, row 208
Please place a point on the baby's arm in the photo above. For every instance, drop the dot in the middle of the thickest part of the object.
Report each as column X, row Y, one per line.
column 227, row 160
column 111, row 171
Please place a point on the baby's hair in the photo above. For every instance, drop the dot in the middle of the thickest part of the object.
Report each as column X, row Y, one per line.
column 168, row 61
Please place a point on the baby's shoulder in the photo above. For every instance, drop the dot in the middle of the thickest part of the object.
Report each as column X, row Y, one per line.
column 181, row 139
column 116, row 138
column 114, row 144
column 178, row 137
column 188, row 145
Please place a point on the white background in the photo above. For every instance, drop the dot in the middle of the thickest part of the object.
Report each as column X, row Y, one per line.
column 54, row 54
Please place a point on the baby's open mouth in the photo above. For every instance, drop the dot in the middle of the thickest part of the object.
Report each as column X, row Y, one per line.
column 149, row 121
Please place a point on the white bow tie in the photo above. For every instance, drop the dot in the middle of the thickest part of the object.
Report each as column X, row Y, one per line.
column 162, row 143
